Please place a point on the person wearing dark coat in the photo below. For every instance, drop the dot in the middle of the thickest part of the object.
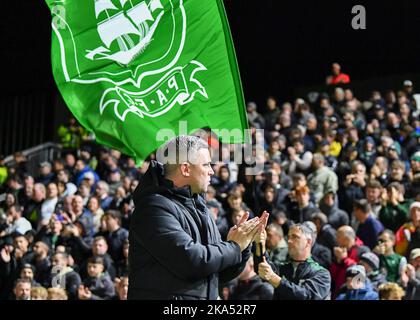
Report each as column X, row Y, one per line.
column 217, row 213
column 272, row 198
column 115, row 235
column 28, row 272
column 414, row 241
column 271, row 115
column 329, row 206
column 371, row 263
column 41, row 262
column 98, row 285
column 327, row 235
column 51, row 234
column 410, row 276
column 304, row 209
column 176, row 251
column 322, row 255
column 281, row 183
column 9, row 268
column 45, row 176
column 99, row 249
column 222, row 184
column 301, row 278
column 351, row 193
column 369, row 227
column 62, row 274
column 368, row 153
column 353, row 187
column 249, row 286
column 413, row 289
column 76, row 243
column 302, row 214
column 360, row 289
column 109, row 266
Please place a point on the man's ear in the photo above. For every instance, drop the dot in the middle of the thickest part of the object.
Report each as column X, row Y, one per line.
column 185, row 169
column 310, row 243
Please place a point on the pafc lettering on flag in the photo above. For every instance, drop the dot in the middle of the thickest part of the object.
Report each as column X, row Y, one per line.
column 178, row 86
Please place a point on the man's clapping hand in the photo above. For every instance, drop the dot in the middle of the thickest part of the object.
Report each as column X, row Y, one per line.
column 244, row 232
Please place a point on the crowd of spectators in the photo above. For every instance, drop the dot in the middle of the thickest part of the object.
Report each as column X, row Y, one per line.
column 351, row 167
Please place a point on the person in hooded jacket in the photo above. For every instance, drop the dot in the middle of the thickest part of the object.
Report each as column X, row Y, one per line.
column 329, row 206
column 326, row 234
column 301, row 278
column 98, row 285
column 371, row 263
column 357, row 286
column 305, row 209
column 176, row 251
column 62, row 274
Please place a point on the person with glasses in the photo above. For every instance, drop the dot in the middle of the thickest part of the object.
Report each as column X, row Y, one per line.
column 391, row 263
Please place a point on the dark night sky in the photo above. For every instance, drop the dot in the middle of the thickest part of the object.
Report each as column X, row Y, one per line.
column 284, row 44
column 280, row 44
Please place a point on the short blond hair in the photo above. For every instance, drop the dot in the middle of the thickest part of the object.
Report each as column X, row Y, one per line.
column 57, row 294
column 390, row 288
column 41, row 292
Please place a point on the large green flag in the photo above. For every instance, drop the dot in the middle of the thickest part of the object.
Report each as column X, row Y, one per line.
column 129, row 68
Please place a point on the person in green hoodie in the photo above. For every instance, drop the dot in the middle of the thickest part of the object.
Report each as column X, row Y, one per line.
column 395, row 212
column 391, row 263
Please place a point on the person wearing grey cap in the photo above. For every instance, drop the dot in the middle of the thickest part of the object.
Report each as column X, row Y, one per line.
column 301, row 278
column 27, row 271
column 45, row 173
column 254, row 117
column 357, row 286
column 408, row 89
column 371, row 263
column 410, row 277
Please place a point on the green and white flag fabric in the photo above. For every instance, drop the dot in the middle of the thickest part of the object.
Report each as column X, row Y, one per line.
column 129, row 68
